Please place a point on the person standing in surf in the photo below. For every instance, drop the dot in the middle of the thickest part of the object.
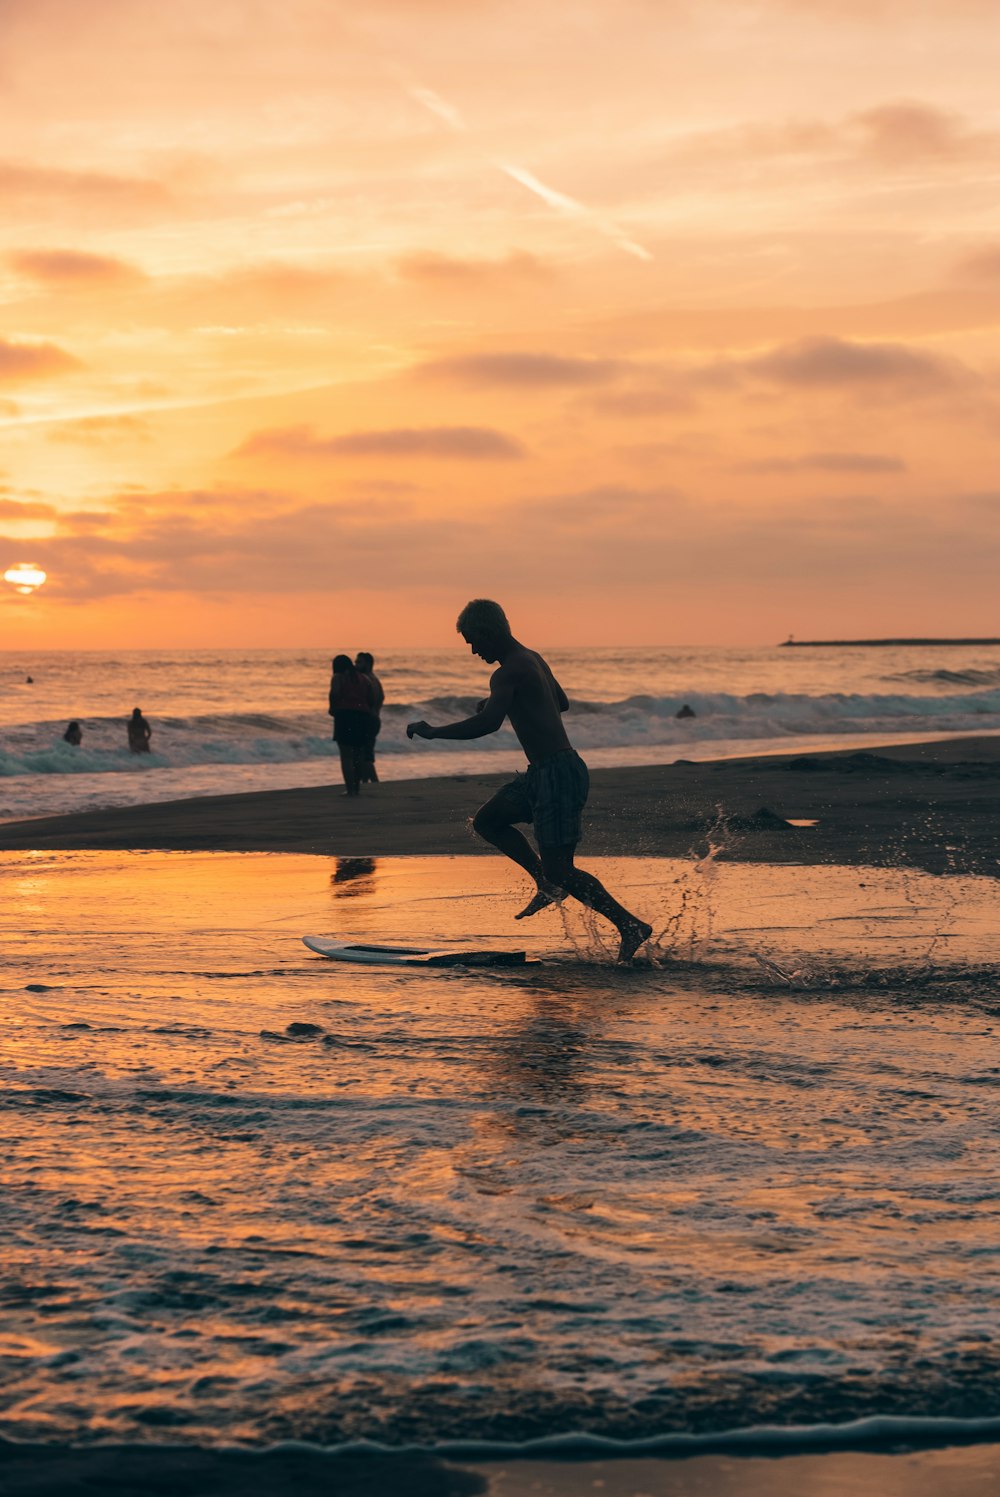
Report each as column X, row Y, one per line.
column 365, row 663
column 553, row 792
column 351, row 702
column 139, row 732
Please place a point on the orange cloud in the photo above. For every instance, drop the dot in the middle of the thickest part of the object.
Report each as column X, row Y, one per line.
column 472, row 442
column 607, row 505
column 20, row 509
column 26, row 361
column 909, row 131
column 827, row 462
column 527, row 370
column 642, row 402
column 818, row 362
column 897, row 135
column 63, row 267
column 26, row 183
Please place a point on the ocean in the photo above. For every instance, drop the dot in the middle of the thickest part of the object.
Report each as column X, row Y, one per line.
column 227, row 720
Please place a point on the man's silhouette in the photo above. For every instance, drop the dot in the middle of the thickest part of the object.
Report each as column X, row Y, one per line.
column 553, row 792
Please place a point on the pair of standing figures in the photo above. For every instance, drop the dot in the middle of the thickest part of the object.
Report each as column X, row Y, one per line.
column 139, row 733
column 356, row 698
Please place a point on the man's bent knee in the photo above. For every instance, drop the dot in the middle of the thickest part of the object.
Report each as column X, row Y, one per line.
column 486, row 825
column 557, row 862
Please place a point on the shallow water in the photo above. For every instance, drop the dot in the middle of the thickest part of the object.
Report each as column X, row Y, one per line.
column 754, row 1182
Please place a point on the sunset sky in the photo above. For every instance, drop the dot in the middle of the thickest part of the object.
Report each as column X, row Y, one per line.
column 660, row 320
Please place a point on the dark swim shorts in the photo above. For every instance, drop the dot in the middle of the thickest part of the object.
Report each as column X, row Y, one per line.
column 552, row 796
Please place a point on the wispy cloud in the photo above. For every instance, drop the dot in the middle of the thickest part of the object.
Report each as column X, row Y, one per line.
column 521, row 368
column 905, row 132
column 431, row 268
column 827, row 462
column 607, row 506
column 981, row 265
column 27, row 361
column 65, row 267
column 26, row 509
column 27, row 182
column 476, row 443
column 99, row 431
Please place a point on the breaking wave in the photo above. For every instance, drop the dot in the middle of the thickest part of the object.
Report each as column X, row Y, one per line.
column 945, row 679
column 638, row 722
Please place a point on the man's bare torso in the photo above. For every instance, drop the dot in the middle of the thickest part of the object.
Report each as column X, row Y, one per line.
column 535, row 711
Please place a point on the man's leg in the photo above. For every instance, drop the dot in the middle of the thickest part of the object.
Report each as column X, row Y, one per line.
column 369, row 776
column 348, row 767
column 559, row 869
column 494, row 823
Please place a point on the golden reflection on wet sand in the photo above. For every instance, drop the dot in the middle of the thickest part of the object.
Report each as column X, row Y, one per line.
column 449, row 1198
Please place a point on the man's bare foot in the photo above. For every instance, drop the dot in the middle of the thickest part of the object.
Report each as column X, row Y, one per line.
column 633, row 935
column 540, row 900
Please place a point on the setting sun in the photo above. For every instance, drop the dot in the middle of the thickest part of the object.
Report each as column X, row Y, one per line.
column 25, row 577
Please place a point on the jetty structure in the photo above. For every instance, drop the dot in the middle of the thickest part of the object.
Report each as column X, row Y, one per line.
column 858, row 644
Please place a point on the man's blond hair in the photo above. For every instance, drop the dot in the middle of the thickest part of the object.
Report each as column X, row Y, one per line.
column 483, row 614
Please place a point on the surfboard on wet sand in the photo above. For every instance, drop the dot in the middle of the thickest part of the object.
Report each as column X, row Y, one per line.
column 340, row 950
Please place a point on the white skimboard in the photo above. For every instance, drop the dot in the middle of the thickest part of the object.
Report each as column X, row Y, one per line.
column 340, row 950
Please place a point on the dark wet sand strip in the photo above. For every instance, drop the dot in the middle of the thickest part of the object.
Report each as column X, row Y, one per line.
column 128, row 1471
column 934, row 806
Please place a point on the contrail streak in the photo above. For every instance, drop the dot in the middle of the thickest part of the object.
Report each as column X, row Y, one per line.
column 444, row 111
column 572, row 209
column 567, row 206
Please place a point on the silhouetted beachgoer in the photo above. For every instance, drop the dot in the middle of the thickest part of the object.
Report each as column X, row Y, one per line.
column 73, row 734
column 365, row 663
column 351, row 703
column 139, row 732
column 553, row 792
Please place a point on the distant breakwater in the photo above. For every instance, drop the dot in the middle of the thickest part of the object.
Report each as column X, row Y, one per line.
column 858, row 644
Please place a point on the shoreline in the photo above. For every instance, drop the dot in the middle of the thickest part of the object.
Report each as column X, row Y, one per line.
column 930, row 805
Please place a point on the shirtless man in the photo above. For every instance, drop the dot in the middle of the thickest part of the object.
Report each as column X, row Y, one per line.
column 553, row 792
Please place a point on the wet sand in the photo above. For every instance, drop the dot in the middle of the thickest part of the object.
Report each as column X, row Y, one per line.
column 933, row 806
column 54, row 1471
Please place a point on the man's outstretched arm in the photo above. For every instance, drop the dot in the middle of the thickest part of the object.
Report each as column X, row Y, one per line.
column 487, row 720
